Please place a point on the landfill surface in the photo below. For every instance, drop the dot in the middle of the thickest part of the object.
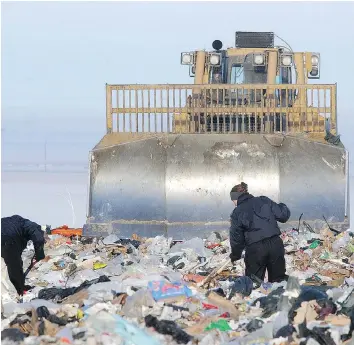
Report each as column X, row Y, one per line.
column 156, row 291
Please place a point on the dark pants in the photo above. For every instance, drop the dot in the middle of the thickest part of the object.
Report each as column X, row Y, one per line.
column 11, row 252
column 267, row 254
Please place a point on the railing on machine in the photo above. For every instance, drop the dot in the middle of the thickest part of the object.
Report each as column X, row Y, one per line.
column 221, row 108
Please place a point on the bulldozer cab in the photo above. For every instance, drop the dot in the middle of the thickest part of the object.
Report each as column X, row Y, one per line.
column 255, row 61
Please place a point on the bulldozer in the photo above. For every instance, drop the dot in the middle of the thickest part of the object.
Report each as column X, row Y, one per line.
column 172, row 152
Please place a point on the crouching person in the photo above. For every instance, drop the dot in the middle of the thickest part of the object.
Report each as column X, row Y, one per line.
column 15, row 233
column 254, row 227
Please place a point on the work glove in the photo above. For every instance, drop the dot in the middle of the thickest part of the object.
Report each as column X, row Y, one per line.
column 234, row 258
column 27, row 288
column 39, row 252
column 20, row 291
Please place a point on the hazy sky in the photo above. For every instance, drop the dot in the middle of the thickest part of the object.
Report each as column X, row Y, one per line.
column 57, row 56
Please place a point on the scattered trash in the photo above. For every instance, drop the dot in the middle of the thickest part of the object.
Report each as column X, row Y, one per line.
column 221, row 324
column 241, row 285
column 43, row 312
column 169, row 328
column 53, row 293
column 110, row 239
column 98, row 265
column 133, row 305
column 253, row 325
column 285, row 331
column 161, row 290
column 314, row 244
column 65, row 335
column 196, row 245
column 156, row 291
column 13, row 334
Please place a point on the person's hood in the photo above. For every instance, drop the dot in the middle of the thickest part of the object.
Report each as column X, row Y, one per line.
column 244, row 197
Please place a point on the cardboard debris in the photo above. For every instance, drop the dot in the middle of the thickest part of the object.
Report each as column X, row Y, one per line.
column 307, row 312
column 224, row 305
column 77, row 298
column 338, row 320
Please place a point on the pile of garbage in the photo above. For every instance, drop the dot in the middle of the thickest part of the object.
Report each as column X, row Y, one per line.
column 156, row 291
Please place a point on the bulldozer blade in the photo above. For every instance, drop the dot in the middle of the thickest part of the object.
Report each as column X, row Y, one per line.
column 178, row 185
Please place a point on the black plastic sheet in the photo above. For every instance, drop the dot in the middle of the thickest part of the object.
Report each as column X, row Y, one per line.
column 269, row 303
column 168, row 327
column 285, row 331
column 43, row 312
column 52, row 293
column 253, row 325
column 13, row 334
column 242, row 285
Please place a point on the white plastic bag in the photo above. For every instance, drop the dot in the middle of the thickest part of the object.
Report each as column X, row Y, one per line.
column 195, row 244
column 133, row 304
column 342, row 242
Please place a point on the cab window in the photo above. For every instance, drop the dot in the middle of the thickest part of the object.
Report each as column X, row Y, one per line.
column 215, row 76
column 237, row 75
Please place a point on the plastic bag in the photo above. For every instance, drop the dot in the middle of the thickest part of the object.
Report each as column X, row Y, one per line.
column 141, row 282
column 242, row 285
column 55, row 293
column 104, row 322
column 214, row 237
column 293, row 288
column 43, row 312
column 221, row 325
column 350, row 247
column 172, row 313
column 196, row 245
column 341, row 242
column 12, row 308
column 314, row 244
column 162, row 289
column 213, row 338
column 101, row 321
column 13, row 334
column 159, row 245
column 321, row 335
column 110, row 239
column 99, row 265
column 128, row 241
column 269, row 303
column 177, row 262
column 347, row 299
column 285, row 331
column 133, row 304
column 168, row 327
column 261, row 336
column 52, row 293
column 8, row 291
column 253, row 325
column 65, row 335
column 280, row 321
column 150, row 261
column 58, row 251
column 115, row 286
column 82, row 276
column 55, row 278
column 114, row 267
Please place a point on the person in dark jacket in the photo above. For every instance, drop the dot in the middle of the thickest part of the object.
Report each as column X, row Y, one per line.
column 254, row 227
column 15, row 233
